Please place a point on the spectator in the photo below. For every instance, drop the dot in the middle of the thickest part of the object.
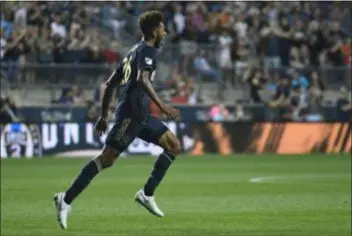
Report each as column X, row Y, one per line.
column 66, row 96
column 346, row 51
column 20, row 15
column 59, row 45
column 225, row 63
column 72, row 96
column 203, row 66
column 196, row 12
column 194, row 93
column 188, row 46
column 77, row 46
column 242, row 53
column 111, row 55
column 10, row 102
column 282, row 96
column 7, row 115
column 239, row 113
column 316, row 42
column 315, row 97
column 58, row 28
column 218, row 112
column 284, row 32
column 298, row 36
column 179, row 19
column 344, row 106
column 225, row 19
column 299, row 79
column 293, row 109
column 305, row 56
column 241, row 27
column 34, row 16
column 110, row 15
column 94, row 51
column 181, row 96
column 203, row 35
column 3, row 44
column 256, row 79
column 7, row 22
column 271, row 48
column 334, row 45
column 14, row 51
column 45, row 47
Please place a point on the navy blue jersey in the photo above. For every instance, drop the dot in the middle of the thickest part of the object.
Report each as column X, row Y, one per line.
column 133, row 101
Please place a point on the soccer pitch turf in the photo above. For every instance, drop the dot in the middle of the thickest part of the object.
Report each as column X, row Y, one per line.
column 240, row 195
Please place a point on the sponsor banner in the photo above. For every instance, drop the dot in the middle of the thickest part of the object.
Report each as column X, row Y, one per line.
column 279, row 138
column 64, row 139
column 78, row 139
column 54, row 114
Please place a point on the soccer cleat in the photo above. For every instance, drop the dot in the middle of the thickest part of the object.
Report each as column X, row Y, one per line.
column 148, row 203
column 62, row 209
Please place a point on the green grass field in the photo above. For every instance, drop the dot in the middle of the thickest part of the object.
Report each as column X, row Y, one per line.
column 211, row 195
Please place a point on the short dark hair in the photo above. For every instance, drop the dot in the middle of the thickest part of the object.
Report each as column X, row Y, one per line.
column 148, row 21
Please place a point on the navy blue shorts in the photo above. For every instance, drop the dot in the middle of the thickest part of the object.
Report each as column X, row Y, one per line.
column 125, row 130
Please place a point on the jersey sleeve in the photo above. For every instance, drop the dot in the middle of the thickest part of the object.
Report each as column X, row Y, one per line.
column 117, row 75
column 147, row 59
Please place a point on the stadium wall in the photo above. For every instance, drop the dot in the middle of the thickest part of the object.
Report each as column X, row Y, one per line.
column 78, row 139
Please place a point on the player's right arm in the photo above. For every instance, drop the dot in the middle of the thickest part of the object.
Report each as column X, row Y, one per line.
column 110, row 85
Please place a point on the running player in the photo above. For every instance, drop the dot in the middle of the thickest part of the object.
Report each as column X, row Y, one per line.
column 132, row 119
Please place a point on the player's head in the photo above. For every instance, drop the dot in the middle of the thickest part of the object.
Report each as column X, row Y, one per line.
column 152, row 27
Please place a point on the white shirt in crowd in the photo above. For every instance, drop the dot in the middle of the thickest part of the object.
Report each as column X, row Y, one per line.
column 58, row 29
column 21, row 16
column 204, row 64
column 241, row 29
column 3, row 48
column 180, row 22
column 225, row 51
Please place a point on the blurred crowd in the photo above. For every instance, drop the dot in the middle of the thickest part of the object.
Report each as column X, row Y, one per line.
column 276, row 48
column 51, row 32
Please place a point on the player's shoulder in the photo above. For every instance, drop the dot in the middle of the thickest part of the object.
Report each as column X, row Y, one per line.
column 147, row 50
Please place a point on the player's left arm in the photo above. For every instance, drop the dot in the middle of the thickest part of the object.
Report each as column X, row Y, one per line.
column 114, row 79
column 146, row 65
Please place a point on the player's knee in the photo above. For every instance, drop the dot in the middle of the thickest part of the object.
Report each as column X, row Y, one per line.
column 175, row 148
column 107, row 158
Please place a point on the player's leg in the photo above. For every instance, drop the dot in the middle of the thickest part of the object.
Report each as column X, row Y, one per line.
column 104, row 160
column 156, row 132
column 119, row 137
column 63, row 200
column 172, row 147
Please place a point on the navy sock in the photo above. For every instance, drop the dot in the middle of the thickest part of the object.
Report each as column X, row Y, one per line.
column 83, row 179
column 161, row 166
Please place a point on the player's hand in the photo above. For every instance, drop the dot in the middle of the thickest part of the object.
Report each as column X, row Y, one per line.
column 170, row 112
column 101, row 126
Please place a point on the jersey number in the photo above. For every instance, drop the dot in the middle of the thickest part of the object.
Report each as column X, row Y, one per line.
column 126, row 70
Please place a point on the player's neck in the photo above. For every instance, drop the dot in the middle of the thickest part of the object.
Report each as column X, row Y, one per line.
column 149, row 42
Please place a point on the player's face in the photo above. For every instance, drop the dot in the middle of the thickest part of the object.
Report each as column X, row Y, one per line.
column 160, row 34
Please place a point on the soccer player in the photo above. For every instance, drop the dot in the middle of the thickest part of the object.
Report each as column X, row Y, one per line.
column 132, row 119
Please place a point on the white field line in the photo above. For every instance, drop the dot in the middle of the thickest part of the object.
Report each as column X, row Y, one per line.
column 262, row 179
